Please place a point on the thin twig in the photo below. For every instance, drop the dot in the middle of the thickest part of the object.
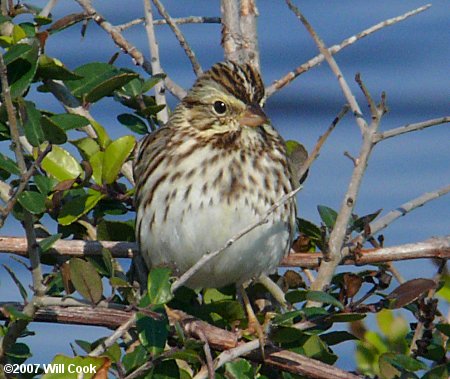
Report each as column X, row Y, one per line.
column 179, row 21
column 126, row 46
column 180, row 37
column 405, row 208
column 290, row 76
column 48, row 8
column 409, row 128
column 160, row 96
column 118, row 333
column 22, row 185
column 207, row 257
column 334, row 67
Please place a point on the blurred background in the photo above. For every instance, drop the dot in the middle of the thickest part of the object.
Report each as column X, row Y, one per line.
column 410, row 61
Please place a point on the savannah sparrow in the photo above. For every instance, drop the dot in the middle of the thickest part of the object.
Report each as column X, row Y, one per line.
column 213, row 170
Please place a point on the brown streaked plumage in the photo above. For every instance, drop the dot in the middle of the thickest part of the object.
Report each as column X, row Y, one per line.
column 214, row 169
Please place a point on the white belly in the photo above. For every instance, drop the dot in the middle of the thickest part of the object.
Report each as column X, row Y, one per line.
column 180, row 234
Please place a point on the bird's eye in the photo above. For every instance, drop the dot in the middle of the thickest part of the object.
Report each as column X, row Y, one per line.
column 220, row 107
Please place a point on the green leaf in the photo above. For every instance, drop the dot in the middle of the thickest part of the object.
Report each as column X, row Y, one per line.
column 115, row 156
column 44, row 184
column 408, row 363
column 309, row 229
column 47, row 243
column 115, row 231
column 99, row 80
column 315, row 348
column 333, row 338
column 359, row 224
column 8, row 165
column 13, row 314
column 150, row 83
column 33, row 202
column 167, row 369
column 102, row 136
column 32, row 125
column 18, row 34
column 85, row 345
column 19, row 350
column 17, row 282
column 323, row 297
column 133, row 88
column 239, row 369
column 62, row 165
column 437, row 372
column 52, row 131
column 68, row 121
column 347, row 317
column 296, row 296
column 86, row 280
column 159, row 286
column 79, row 206
column 87, row 148
column 88, row 365
column 133, row 123
column 52, row 68
column 21, row 61
column 96, row 162
column 135, row 358
column 444, row 328
column 288, row 318
column 327, row 215
column 153, row 333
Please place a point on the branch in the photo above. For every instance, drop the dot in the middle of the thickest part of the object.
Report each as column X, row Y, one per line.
column 405, row 208
column 231, row 31
column 179, row 21
column 127, row 47
column 160, row 96
column 118, row 333
column 207, row 257
column 409, row 128
column 16, row 328
column 290, row 76
column 436, row 247
column 333, row 65
column 217, row 338
column 180, row 37
column 248, row 26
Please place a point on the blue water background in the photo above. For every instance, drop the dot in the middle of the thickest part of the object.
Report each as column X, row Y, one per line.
column 409, row 61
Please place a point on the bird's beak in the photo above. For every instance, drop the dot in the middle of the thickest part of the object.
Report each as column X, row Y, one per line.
column 253, row 116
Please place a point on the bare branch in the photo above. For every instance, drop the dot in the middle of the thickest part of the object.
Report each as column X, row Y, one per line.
column 334, row 67
column 436, row 247
column 231, row 31
column 126, row 46
column 179, row 21
column 180, row 37
column 78, row 248
column 48, row 8
column 290, row 76
column 160, row 96
column 409, row 128
column 405, row 208
column 118, row 333
column 16, row 327
column 248, row 26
